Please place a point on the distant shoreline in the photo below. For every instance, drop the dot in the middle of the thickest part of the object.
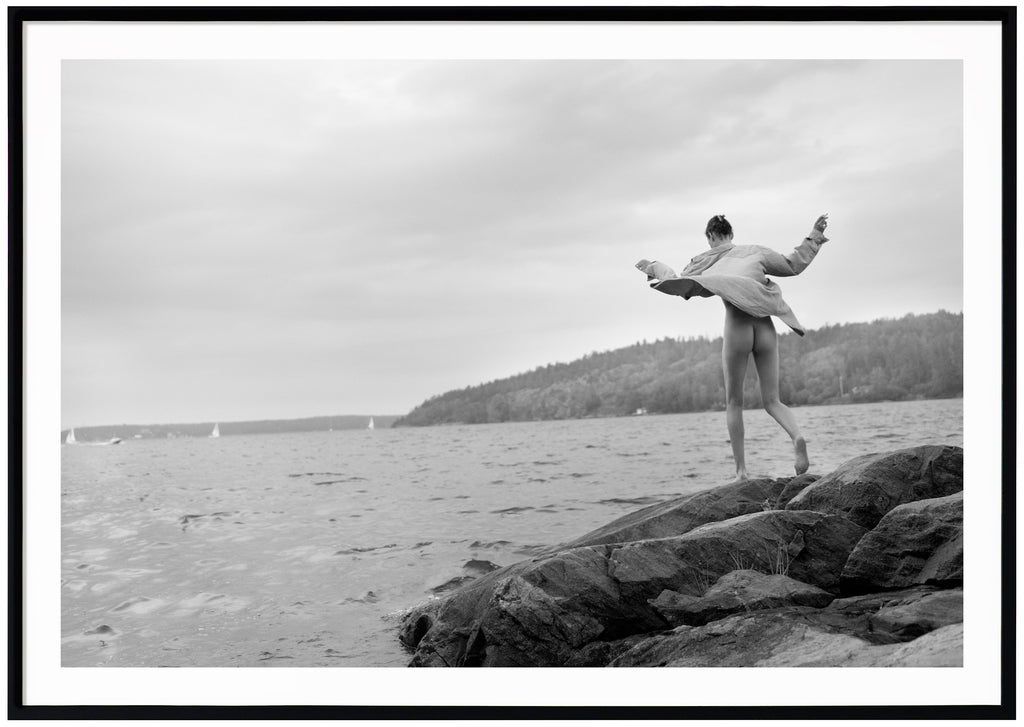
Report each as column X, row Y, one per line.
column 847, row 402
column 916, row 356
column 386, row 421
column 199, row 430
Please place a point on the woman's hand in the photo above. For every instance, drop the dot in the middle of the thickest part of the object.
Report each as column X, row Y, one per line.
column 821, row 223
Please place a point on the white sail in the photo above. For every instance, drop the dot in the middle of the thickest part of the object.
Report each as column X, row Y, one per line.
column 216, row 431
column 71, row 437
column 370, row 425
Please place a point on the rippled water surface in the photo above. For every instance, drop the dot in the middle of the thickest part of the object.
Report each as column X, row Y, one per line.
column 303, row 549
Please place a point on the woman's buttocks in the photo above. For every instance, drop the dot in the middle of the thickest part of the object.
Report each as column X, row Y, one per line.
column 737, row 314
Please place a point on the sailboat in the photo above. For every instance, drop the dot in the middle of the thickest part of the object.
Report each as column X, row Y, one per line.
column 70, row 439
column 216, row 431
column 370, row 425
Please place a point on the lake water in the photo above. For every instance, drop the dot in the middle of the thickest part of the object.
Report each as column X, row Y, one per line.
column 304, row 549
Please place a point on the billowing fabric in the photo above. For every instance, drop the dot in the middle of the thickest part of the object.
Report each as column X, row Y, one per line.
column 738, row 275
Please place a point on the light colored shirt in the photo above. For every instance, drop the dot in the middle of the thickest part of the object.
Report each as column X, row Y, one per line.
column 738, row 275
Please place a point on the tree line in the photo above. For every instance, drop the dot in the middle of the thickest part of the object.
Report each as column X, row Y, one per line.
column 913, row 357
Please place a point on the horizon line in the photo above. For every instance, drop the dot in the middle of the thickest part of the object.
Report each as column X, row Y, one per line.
column 508, row 376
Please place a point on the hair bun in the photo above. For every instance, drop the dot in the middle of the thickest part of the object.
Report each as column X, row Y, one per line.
column 718, row 226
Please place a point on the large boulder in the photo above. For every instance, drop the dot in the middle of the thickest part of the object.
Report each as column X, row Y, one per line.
column 867, row 487
column 894, row 616
column 799, row 636
column 535, row 613
column 910, row 617
column 808, row 546
column 543, row 612
column 763, row 638
column 740, row 590
column 917, row 543
column 683, row 514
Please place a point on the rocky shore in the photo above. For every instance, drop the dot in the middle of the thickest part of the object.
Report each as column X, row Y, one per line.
column 859, row 567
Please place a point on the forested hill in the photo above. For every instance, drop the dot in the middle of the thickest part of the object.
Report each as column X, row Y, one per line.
column 914, row 357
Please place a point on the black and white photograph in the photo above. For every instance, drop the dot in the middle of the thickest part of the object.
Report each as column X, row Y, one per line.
column 481, row 358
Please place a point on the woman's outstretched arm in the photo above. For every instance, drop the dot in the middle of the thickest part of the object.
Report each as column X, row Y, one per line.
column 798, row 260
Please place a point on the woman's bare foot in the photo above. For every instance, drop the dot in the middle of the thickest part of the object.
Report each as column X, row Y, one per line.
column 800, row 448
column 741, row 476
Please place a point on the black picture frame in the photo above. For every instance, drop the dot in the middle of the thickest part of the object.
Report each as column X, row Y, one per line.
column 17, row 17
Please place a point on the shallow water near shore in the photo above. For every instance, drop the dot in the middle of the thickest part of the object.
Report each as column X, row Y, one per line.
column 305, row 549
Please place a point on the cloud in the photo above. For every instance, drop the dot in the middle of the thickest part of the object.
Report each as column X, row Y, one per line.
column 458, row 217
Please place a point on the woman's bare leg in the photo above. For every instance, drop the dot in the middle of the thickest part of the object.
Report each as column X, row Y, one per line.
column 766, row 359
column 737, row 345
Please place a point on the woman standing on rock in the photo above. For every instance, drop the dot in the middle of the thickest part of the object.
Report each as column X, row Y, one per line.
column 737, row 274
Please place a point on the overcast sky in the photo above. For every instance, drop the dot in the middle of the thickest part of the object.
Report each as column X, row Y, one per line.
column 282, row 239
